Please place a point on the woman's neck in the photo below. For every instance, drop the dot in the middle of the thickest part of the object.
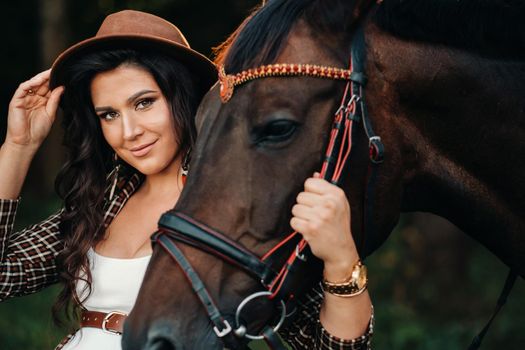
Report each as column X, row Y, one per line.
column 166, row 184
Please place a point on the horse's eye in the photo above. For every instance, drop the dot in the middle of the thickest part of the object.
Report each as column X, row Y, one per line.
column 277, row 131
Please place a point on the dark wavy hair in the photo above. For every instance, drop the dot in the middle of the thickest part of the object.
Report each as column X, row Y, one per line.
column 81, row 182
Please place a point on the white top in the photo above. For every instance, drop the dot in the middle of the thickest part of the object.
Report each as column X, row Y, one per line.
column 115, row 287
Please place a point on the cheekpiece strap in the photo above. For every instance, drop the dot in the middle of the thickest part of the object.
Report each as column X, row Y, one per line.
column 273, row 341
column 221, row 326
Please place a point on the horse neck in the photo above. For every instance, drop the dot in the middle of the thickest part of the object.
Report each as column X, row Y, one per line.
column 460, row 122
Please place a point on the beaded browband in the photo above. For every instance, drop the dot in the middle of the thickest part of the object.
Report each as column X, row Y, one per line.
column 229, row 82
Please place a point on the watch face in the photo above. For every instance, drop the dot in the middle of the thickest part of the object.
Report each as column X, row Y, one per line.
column 359, row 276
column 362, row 280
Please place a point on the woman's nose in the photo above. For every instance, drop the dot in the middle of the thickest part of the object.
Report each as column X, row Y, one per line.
column 131, row 127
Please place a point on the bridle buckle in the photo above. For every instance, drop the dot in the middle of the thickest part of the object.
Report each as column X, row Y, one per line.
column 299, row 255
column 106, row 320
column 373, row 139
column 226, row 330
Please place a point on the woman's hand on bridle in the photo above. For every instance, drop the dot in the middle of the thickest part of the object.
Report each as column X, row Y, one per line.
column 322, row 216
column 32, row 111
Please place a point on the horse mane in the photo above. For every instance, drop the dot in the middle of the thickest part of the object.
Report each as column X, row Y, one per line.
column 261, row 36
column 488, row 27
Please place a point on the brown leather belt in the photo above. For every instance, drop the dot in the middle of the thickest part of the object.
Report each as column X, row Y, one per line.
column 111, row 322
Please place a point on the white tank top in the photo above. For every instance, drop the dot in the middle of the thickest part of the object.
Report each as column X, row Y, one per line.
column 115, row 287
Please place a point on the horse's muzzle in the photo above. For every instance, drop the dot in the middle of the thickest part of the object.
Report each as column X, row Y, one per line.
column 160, row 344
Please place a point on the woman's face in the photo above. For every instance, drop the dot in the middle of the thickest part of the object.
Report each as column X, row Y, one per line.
column 135, row 117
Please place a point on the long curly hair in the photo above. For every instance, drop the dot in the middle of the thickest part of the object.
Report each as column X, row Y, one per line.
column 81, row 183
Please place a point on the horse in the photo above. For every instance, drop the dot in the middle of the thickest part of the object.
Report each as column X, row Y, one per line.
column 444, row 85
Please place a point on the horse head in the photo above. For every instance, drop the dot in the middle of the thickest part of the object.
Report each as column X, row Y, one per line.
column 260, row 138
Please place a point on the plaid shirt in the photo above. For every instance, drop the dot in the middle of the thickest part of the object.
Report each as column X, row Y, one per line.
column 27, row 265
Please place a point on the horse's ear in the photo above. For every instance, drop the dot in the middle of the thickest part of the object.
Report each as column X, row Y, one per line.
column 356, row 10
column 341, row 14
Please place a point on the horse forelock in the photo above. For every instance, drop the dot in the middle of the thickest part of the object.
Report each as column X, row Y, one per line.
column 489, row 27
column 262, row 36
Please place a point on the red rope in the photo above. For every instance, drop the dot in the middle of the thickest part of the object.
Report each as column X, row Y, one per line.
column 339, row 118
column 281, row 243
column 346, row 140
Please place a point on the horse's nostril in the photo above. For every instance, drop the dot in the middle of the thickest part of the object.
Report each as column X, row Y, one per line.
column 160, row 344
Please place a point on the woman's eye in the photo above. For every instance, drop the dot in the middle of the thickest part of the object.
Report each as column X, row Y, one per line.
column 144, row 103
column 109, row 115
column 277, row 131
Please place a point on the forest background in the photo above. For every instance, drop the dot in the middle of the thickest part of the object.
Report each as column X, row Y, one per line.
column 432, row 286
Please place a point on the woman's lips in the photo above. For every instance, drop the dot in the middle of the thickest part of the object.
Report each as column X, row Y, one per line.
column 142, row 150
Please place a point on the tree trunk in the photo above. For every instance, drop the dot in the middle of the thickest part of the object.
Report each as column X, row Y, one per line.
column 52, row 40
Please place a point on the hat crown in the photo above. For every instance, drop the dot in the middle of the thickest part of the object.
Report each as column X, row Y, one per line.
column 143, row 31
column 132, row 23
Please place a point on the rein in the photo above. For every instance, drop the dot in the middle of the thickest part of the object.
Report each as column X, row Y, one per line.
column 279, row 280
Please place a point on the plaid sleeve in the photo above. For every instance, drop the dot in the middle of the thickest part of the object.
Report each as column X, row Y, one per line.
column 27, row 257
column 307, row 332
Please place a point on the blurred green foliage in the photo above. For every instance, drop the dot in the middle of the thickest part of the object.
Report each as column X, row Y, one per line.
column 25, row 323
column 421, row 308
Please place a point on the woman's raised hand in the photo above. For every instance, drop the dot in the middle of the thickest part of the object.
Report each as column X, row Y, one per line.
column 32, row 111
column 322, row 216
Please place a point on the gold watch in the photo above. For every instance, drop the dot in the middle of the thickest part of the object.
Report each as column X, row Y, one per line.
column 352, row 286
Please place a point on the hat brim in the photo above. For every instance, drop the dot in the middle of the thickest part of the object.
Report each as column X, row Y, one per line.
column 200, row 67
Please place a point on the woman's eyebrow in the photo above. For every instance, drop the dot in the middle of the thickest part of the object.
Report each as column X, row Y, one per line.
column 138, row 94
column 129, row 100
column 103, row 109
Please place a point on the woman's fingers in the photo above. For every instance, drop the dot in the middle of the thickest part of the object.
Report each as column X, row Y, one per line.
column 319, row 192
column 322, row 215
column 318, row 185
column 316, row 218
column 300, row 226
column 32, row 110
column 33, row 85
column 303, row 212
column 42, row 90
column 308, row 198
column 53, row 101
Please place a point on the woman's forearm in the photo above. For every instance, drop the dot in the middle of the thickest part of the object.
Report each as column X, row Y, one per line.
column 322, row 215
column 14, row 165
column 345, row 317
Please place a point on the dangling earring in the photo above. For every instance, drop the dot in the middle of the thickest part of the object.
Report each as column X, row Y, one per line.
column 114, row 173
column 186, row 166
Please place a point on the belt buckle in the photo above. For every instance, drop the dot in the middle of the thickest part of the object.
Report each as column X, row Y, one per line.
column 106, row 320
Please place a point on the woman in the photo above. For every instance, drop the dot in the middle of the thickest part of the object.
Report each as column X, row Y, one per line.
column 129, row 95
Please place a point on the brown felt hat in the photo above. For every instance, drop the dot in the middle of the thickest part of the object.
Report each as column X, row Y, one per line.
column 135, row 29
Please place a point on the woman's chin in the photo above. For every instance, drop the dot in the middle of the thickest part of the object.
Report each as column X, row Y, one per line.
column 153, row 168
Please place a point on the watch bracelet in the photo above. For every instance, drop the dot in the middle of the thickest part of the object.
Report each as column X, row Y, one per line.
column 348, row 287
column 343, row 294
column 347, row 279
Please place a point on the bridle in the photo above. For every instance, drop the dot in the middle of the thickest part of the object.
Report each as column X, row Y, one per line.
column 301, row 270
